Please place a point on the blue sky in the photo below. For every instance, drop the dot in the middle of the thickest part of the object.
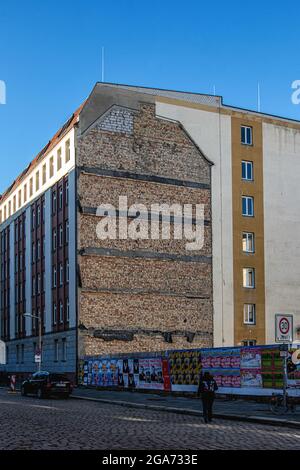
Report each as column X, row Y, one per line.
column 50, row 58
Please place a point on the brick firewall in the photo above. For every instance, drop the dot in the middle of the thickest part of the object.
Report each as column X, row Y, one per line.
column 133, row 292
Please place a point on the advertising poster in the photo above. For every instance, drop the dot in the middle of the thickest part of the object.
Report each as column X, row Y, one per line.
column 185, row 370
column 224, row 365
column 130, row 373
column 293, row 369
column 107, row 375
column 251, row 378
column 271, row 368
column 250, row 358
column 151, row 374
column 251, row 367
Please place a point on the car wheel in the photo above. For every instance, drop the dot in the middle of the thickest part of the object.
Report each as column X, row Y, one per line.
column 23, row 391
column 40, row 393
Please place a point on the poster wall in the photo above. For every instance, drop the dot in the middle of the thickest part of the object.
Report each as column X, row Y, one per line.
column 224, row 364
column 251, row 375
column 185, row 369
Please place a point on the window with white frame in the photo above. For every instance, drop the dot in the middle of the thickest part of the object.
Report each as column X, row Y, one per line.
column 248, row 242
column 249, row 278
column 61, row 238
column 246, row 135
column 51, row 167
column 37, row 181
column 54, row 240
column 249, row 314
column 61, row 274
column 247, row 206
column 59, row 160
column 68, row 310
column 61, row 312
column 249, row 342
column 67, row 271
column 44, row 178
column 247, row 170
column 54, row 276
column 67, row 151
column 54, row 314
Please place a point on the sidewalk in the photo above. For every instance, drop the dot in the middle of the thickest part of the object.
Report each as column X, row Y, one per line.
column 239, row 409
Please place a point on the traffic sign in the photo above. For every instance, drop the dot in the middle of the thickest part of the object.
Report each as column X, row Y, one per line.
column 38, row 358
column 283, row 328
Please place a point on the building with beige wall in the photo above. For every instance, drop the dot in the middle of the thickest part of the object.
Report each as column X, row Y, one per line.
column 147, row 295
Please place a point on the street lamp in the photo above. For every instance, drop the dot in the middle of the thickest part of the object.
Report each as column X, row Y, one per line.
column 29, row 315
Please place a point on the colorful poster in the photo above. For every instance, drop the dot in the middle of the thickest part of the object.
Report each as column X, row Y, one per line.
column 224, row 365
column 130, row 373
column 107, row 375
column 185, row 370
column 251, row 378
column 151, row 374
column 250, row 358
column 293, row 371
column 271, row 367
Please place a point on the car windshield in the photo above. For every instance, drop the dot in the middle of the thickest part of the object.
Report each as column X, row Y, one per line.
column 58, row 377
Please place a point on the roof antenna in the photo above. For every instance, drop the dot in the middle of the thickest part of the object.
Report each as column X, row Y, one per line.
column 102, row 68
column 258, row 97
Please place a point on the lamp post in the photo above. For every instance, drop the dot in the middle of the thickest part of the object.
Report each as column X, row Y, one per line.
column 29, row 315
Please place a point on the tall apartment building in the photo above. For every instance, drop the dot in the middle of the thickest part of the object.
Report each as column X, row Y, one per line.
column 98, row 296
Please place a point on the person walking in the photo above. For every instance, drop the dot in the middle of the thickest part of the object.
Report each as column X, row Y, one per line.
column 207, row 388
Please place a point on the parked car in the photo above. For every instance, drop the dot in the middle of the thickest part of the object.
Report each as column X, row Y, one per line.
column 45, row 384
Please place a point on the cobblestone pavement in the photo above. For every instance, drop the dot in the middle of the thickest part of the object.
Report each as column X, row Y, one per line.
column 54, row 424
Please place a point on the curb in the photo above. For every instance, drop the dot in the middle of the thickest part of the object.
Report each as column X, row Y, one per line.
column 189, row 412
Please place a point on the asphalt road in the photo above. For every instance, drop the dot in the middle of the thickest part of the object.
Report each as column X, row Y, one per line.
column 58, row 424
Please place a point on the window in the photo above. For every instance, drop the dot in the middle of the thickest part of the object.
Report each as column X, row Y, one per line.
column 44, row 173
column 59, row 161
column 9, row 209
column 249, row 342
column 44, row 247
column 61, row 274
column 54, row 240
column 51, row 167
column 249, row 278
column 64, row 349
column 67, row 192
column 14, row 204
column 43, row 211
column 56, row 350
column 54, row 202
column 67, row 271
column 25, row 193
column 30, row 187
column 33, row 253
column 67, row 231
column 38, row 216
column 249, row 314
column 61, row 236
column 247, row 170
column 38, row 284
column 54, row 314
column 33, row 219
column 248, row 242
column 246, row 135
column 33, row 286
column 61, row 312
column 68, row 309
column 67, row 151
column 60, row 203
column 37, row 181
column 248, row 206
column 38, row 250
column 20, row 198
column 54, row 276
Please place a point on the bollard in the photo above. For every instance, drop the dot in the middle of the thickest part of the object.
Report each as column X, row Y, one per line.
column 12, row 384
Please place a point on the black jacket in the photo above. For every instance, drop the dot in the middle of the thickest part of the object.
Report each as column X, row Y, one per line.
column 207, row 388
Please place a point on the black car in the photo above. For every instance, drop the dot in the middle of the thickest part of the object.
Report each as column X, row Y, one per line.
column 45, row 384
